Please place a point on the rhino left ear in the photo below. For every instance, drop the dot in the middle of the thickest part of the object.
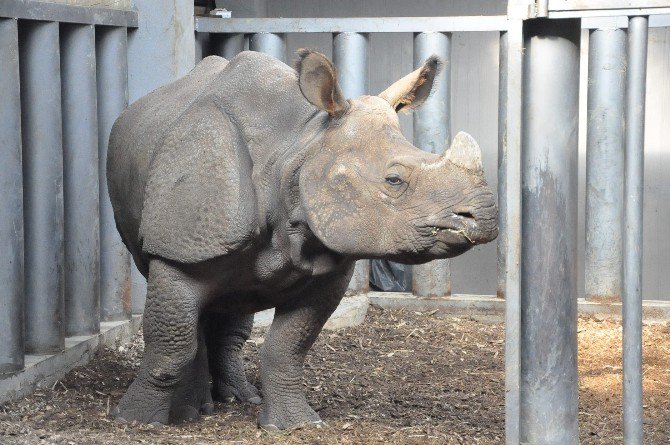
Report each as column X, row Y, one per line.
column 317, row 78
column 412, row 90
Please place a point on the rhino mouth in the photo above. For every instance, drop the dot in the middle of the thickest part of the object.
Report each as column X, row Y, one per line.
column 461, row 224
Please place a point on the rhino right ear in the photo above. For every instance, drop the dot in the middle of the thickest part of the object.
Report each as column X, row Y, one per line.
column 317, row 78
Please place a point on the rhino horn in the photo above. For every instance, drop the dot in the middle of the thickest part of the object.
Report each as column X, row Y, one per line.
column 464, row 152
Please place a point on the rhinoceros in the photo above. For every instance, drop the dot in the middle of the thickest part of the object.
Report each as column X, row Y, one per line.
column 247, row 185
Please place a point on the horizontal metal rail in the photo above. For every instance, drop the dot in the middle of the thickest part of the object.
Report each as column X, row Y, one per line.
column 608, row 12
column 352, row 24
column 56, row 12
column 621, row 22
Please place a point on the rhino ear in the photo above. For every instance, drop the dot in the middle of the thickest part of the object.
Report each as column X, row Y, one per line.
column 317, row 78
column 413, row 89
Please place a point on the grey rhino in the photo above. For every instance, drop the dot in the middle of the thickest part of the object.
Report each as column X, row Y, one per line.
column 247, row 185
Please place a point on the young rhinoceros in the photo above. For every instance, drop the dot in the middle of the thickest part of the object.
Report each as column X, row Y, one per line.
column 248, row 185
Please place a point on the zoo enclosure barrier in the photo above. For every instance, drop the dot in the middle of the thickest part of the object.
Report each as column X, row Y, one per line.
column 537, row 156
column 63, row 267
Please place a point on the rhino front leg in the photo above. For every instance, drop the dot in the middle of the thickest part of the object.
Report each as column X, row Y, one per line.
column 171, row 341
column 226, row 336
column 293, row 331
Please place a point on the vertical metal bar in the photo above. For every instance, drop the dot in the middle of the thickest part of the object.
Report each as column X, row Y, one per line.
column 80, row 180
column 549, row 382
column 632, row 264
column 502, row 164
column 432, row 131
column 604, row 164
column 226, row 45
column 43, row 185
column 350, row 55
column 139, row 284
column 112, row 77
column 202, row 46
column 11, row 201
column 269, row 43
column 512, row 210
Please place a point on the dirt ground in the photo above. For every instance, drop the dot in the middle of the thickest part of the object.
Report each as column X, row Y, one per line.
column 401, row 378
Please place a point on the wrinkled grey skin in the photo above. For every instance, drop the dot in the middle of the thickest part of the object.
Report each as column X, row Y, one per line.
column 248, row 185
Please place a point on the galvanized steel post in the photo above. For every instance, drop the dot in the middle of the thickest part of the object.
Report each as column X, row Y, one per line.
column 632, row 241
column 43, row 186
column 350, row 55
column 269, row 43
column 11, row 202
column 227, row 45
column 549, row 382
column 604, row 164
column 80, row 180
column 432, row 133
column 112, row 75
column 502, row 165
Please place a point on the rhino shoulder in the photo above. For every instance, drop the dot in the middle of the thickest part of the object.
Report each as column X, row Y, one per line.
column 199, row 202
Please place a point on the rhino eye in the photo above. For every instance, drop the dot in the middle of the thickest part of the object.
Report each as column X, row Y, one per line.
column 394, row 180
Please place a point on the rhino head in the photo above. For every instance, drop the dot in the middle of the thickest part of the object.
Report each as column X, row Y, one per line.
column 369, row 193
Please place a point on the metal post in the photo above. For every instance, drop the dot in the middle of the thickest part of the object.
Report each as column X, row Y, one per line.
column 43, row 186
column 269, row 43
column 549, row 383
column 604, row 164
column 227, row 45
column 432, row 133
column 80, row 180
column 502, row 164
column 632, row 243
column 112, row 73
column 512, row 282
column 202, row 43
column 350, row 55
column 11, row 202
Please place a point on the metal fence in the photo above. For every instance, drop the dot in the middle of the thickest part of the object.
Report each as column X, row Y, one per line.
column 63, row 82
column 538, row 129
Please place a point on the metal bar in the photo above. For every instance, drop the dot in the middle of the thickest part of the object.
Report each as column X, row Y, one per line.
column 11, row 201
column 39, row 53
column 55, row 12
column 269, row 43
column 621, row 21
column 352, row 24
column 201, row 46
column 608, row 13
column 632, row 242
column 80, row 180
column 139, row 285
column 512, row 147
column 432, row 128
column 226, row 45
column 604, row 164
column 549, row 380
column 581, row 5
column 112, row 74
column 502, row 164
column 350, row 55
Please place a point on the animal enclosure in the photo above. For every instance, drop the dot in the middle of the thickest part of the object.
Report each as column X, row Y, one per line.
column 56, row 222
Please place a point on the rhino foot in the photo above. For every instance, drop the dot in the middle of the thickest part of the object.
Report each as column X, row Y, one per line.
column 243, row 392
column 144, row 406
column 293, row 415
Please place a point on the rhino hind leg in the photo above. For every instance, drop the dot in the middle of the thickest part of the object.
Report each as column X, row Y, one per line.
column 291, row 335
column 226, row 336
column 171, row 344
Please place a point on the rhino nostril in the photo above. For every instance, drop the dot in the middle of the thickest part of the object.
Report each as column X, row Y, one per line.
column 465, row 215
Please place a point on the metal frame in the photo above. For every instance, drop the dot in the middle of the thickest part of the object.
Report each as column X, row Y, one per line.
column 57, row 12
column 352, row 24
